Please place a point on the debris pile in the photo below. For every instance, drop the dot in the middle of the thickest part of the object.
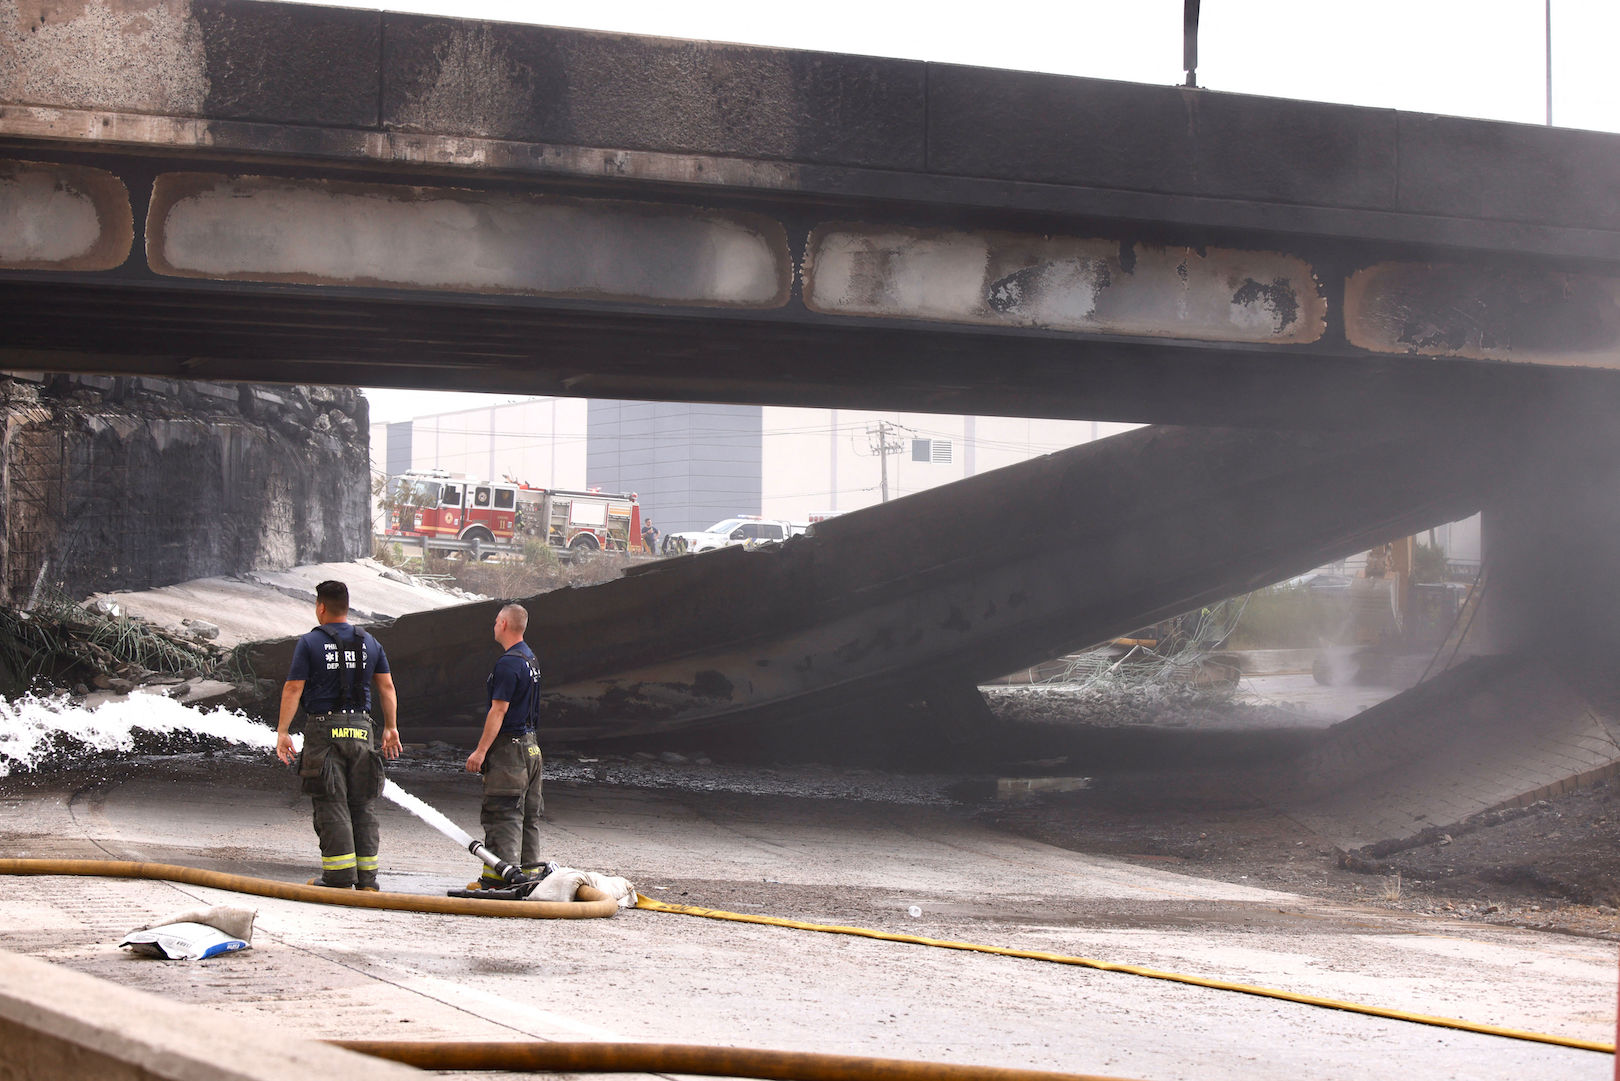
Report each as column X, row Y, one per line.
column 61, row 645
column 1174, row 653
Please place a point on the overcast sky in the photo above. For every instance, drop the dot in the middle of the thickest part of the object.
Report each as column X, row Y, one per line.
column 1482, row 58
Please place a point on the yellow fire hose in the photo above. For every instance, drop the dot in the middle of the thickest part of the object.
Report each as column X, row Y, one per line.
column 682, row 1058
column 1138, row 970
column 592, row 903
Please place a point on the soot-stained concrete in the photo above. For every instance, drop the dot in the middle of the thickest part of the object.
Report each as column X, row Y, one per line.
column 133, row 483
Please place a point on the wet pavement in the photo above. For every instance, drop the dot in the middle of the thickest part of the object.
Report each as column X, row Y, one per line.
column 861, row 848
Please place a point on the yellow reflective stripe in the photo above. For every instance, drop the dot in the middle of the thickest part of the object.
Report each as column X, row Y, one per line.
column 338, row 863
column 366, row 863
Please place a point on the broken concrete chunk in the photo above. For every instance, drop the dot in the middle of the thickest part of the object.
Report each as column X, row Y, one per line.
column 206, row 691
column 201, row 628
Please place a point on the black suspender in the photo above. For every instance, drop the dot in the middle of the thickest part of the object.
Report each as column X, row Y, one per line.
column 534, row 693
column 351, row 691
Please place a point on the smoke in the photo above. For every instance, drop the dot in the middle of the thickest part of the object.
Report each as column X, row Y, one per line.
column 39, row 732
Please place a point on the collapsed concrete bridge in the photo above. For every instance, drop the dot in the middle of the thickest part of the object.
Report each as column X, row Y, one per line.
column 928, row 596
column 231, row 189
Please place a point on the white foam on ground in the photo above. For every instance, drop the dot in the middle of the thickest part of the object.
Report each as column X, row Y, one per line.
column 33, row 729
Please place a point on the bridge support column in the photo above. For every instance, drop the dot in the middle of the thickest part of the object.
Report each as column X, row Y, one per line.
column 1552, row 552
column 959, row 712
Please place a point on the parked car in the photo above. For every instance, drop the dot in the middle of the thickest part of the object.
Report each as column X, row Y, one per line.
column 746, row 530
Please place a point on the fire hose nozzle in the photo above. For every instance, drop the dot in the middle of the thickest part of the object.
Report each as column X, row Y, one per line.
column 518, row 885
column 509, row 874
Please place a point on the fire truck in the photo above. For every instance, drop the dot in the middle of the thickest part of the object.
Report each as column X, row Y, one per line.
column 435, row 505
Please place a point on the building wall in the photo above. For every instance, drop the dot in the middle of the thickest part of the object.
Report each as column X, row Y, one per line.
column 691, row 465
column 819, row 461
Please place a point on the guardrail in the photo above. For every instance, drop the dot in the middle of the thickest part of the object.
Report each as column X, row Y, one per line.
column 497, row 549
column 476, row 549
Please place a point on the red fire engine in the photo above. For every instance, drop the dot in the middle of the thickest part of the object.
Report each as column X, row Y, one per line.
column 432, row 503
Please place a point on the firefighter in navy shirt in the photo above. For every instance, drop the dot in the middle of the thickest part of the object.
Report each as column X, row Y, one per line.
column 508, row 752
column 334, row 669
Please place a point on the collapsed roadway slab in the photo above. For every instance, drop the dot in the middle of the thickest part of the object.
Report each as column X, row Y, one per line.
column 928, row 596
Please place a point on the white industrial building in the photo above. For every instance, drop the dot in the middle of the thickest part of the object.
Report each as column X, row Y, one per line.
column 694, row 464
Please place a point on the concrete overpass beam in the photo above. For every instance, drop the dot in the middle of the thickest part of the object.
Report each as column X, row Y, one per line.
column 1071, row 283
column 321, row 232
column 1505, row 310
column 62, row 217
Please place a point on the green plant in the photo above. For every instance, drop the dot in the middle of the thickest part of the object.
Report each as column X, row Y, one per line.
column 1393, row 891
column 537, row 553
column 1281, row 617
column 1428, row 564
column 58, row 635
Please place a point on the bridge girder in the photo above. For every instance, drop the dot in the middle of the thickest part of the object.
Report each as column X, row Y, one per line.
column 377, row 199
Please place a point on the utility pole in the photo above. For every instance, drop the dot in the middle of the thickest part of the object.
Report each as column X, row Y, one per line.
column 1189, row 40
column 883, row 446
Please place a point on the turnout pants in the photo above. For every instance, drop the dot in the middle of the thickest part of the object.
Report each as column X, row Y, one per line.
column 513, row 804
column 343, row 774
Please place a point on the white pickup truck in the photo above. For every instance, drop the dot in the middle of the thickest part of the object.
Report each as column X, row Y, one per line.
column 746, row 530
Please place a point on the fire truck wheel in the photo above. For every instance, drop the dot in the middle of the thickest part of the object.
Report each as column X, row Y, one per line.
column 479, row 544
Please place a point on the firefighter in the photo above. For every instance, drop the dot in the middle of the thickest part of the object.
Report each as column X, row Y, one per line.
column 334, row 669
column 508, row 753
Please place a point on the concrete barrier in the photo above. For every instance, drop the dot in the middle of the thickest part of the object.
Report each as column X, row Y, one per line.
column 57, row 1023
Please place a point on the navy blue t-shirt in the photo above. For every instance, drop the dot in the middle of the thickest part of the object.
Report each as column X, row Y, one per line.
column 516, row 681
column 316, row 661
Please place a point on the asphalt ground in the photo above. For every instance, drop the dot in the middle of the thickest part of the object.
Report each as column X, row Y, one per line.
column 849, row 847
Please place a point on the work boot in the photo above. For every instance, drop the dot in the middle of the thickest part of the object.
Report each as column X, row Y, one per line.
column 329, row 885
column 367, row 887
